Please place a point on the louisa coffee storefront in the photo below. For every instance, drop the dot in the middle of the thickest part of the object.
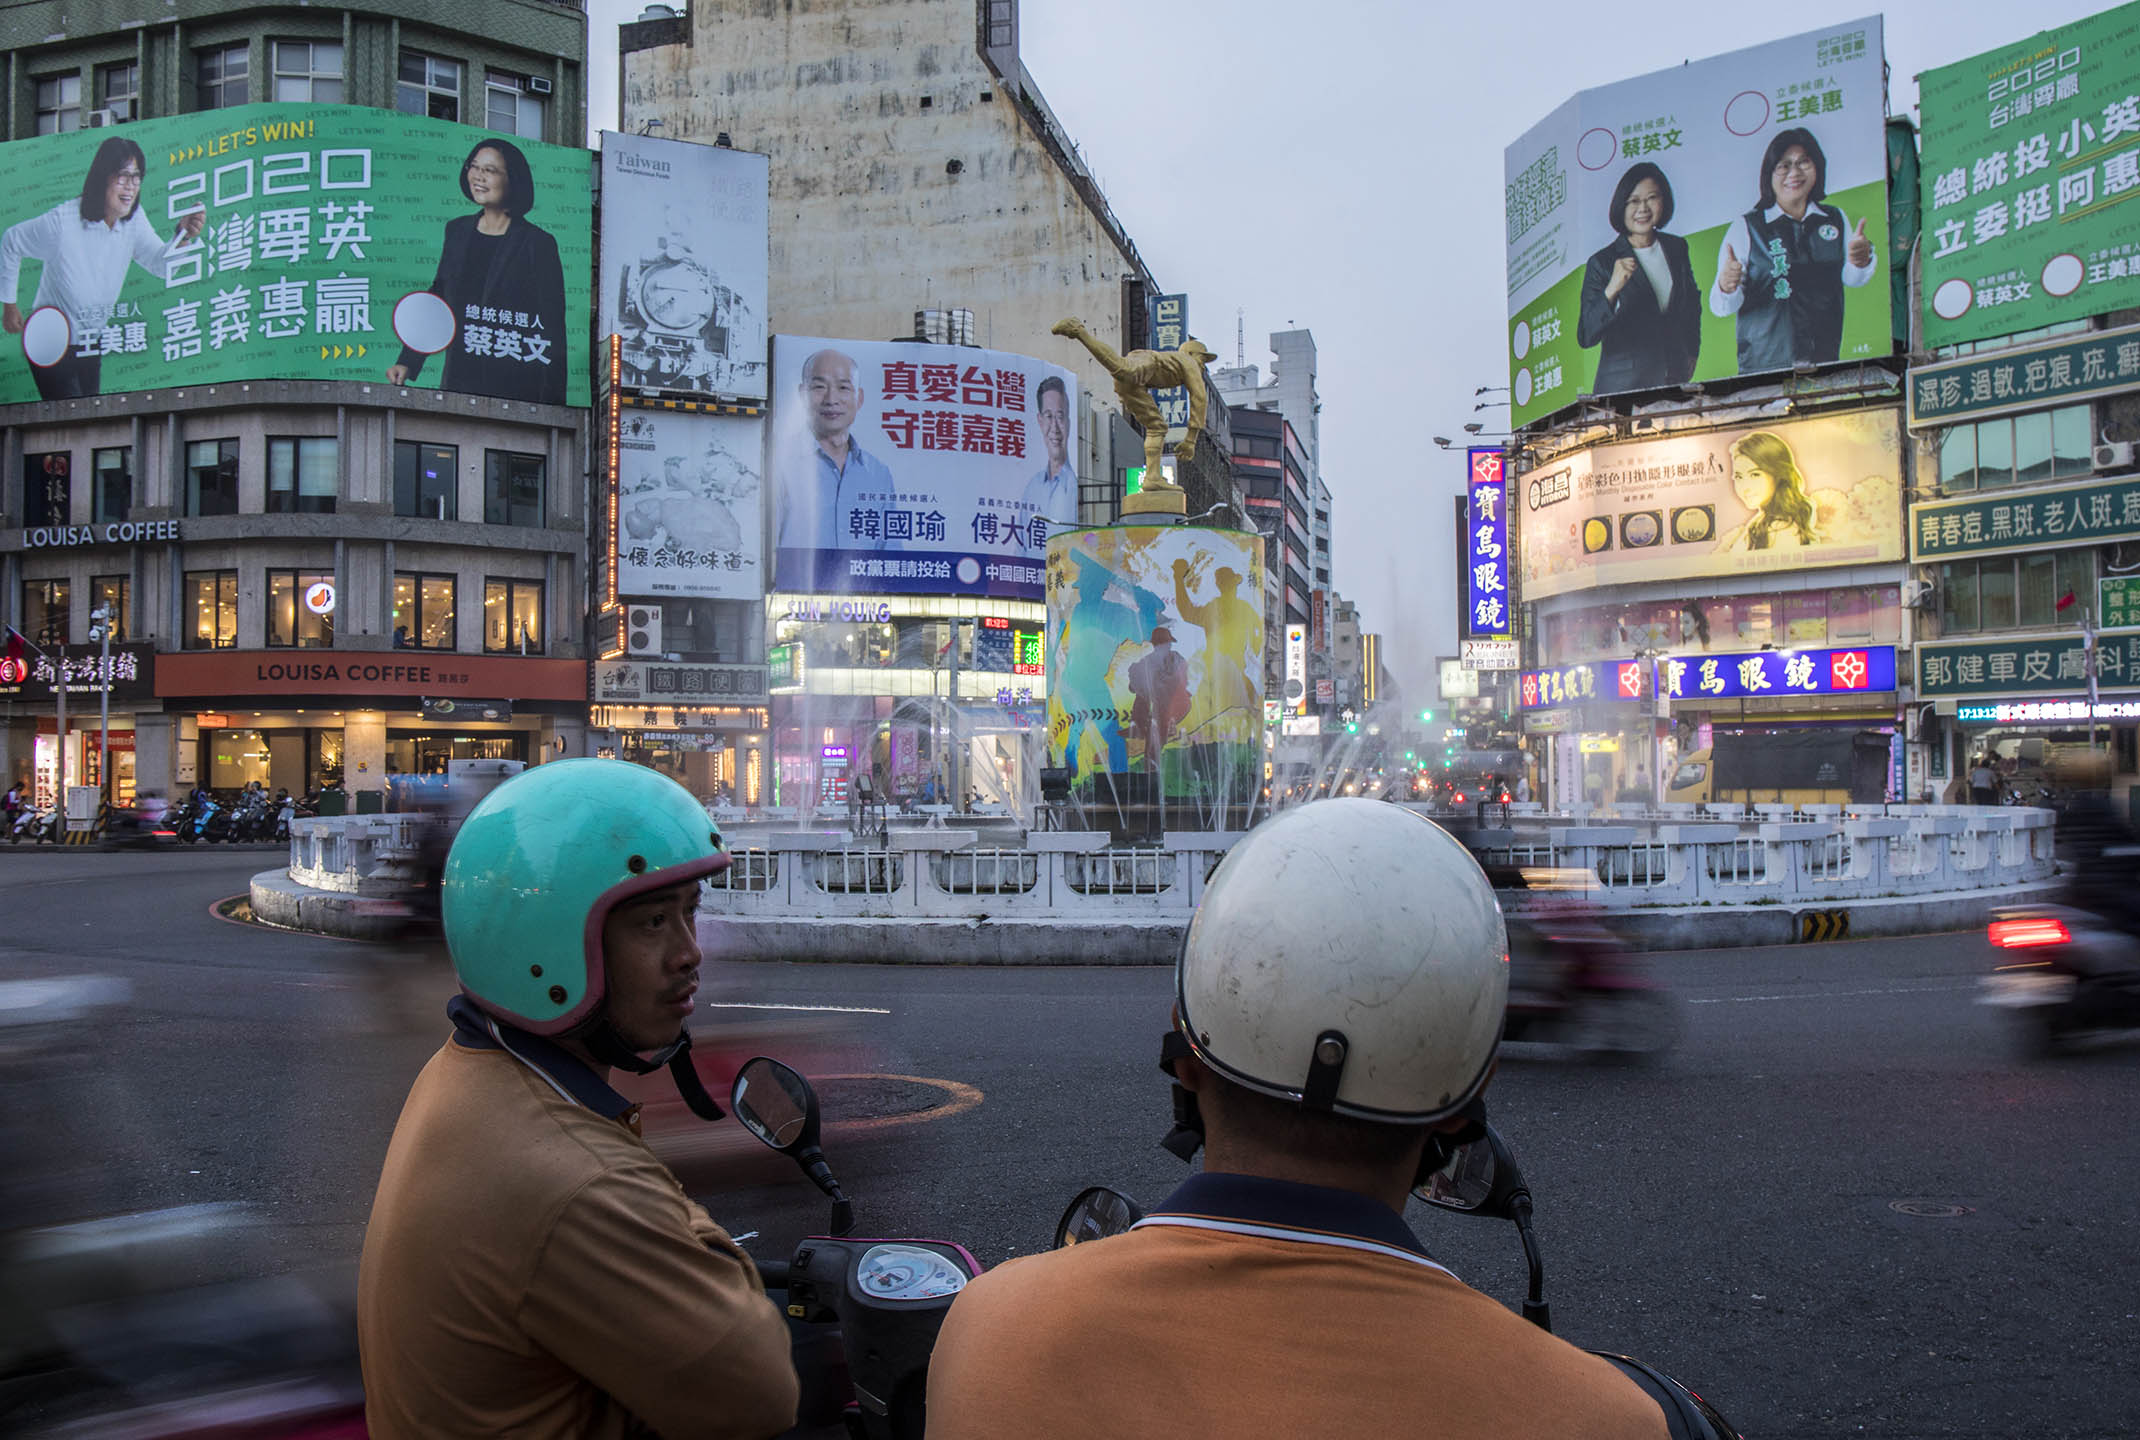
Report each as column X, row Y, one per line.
column 298, row 722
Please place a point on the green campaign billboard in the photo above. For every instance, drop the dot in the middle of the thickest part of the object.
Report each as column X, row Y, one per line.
column 1720, row 218
column 2031, row 153
column 316, row 242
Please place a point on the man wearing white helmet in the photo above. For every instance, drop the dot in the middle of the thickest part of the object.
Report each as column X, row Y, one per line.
column 1338, row 1005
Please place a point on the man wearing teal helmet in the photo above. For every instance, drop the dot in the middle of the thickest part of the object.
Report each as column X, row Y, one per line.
column 530, row 1267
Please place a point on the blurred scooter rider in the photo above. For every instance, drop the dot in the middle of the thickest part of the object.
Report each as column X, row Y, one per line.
column 2104, row 878
column 530, row 1267
column 1338, row 1006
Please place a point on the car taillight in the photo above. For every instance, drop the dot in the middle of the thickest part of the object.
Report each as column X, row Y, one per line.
column 1459, row 797
column 2027, row 931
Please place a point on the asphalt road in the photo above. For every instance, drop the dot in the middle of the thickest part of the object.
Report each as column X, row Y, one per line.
column 1765, row 1213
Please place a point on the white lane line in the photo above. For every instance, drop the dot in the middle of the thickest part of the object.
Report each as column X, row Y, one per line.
column 1833, row 994
column 754, row 1005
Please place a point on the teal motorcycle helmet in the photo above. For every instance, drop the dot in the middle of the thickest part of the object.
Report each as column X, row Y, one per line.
column 538, row 866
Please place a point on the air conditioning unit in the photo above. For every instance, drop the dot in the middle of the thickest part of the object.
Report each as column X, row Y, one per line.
column 1917, row 595
column 535, row 84
column 98, row 119
column 2114, row 455
column 642, row 630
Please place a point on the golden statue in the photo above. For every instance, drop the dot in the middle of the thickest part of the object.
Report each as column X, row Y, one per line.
column 1137, row 375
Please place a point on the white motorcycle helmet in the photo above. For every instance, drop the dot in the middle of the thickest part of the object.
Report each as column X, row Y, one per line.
column 1348, row 955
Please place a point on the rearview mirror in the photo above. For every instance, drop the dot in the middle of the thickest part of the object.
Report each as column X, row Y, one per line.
column 776, row 1104
column 1096, row 1214
column 1480, row 1178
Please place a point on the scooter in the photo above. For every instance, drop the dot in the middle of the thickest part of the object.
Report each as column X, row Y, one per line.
column 2063, row 972
column 883, row 1301
column 36, row 822
column 1573, row 982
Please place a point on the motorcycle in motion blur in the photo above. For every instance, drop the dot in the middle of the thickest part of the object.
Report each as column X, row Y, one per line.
column 1573, row 981
column 2062, row 973
column 866, row 1313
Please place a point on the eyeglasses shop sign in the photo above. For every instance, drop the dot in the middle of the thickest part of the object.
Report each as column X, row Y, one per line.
column 638, row 680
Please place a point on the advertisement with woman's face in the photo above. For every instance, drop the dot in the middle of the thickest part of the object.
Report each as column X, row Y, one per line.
column 325, row 242
column 1786, row 495
column 1721, row 218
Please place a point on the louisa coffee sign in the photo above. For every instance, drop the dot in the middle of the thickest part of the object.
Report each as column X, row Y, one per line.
column 394, row 675
column 114, row 532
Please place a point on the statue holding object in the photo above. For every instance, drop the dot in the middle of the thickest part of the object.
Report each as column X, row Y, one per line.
column 1137, row 375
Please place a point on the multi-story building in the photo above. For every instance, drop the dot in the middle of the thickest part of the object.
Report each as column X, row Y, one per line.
column 1271, row 468
column 922, row 191
column 315, row 563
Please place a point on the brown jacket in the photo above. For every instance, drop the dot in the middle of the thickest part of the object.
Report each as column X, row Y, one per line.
column 531, row 1269
column 1250, row 1308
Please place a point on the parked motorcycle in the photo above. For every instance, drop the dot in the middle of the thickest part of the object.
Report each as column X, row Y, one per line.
column 40, row 823
column 2063, row 972
column 869, row 1310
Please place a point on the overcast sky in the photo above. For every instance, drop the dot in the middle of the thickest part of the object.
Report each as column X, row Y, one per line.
column 1337, row 166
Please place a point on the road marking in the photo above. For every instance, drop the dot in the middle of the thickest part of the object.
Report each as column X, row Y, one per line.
column 1834, row 994
column 768, row 1005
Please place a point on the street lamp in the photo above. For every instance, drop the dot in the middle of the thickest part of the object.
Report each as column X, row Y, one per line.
column 100, row 635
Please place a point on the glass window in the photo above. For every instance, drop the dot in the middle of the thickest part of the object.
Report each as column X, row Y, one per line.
column 1887, row 614
column 308, row 70
column 429, row 85
column 212, row 477
column 115, row 594
column 225, row 77
column 1850, row 613
column 59, row 104
column 111, row 486
column 426, row 480
column 423, row 611
column 1753, row 623
column 1995, row 593
column 302, row 474
column 1995, row 454
column 1805, row 618
column 211, row 609
column 119, row 87
column 47, row 489
column 2038, row 596
column 512, row 616
column 236, row 758
column 45, row 611
column 1958, row 459
column 291, row 620
column 508, row 109
column 2072, row 440
column 2032, row 447
column 512, row 488
column 2076, row 576
column 1958, row 597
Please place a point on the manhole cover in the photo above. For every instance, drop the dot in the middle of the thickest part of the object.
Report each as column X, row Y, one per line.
column 875, row 1097
column 1929, row 1209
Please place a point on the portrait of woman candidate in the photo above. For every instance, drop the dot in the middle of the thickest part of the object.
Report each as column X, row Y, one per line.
column 1786, row 262
column 88, row 243
column 1640, row 305
column 499, row 260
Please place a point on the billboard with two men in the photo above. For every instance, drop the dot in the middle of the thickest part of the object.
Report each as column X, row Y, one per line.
column 316, row 242
column 1721, row 218
column 906, row 468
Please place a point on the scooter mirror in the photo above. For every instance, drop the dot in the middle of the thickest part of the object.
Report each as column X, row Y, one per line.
column 1096, row 1214
column 776, row 1104
column 1481, row 1178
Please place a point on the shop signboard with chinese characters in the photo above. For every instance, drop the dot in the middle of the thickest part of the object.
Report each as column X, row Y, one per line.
column 2029, row 665
column 2066, row 371
column 2031, row 152
column 2011, row 521
column 1458, row 681
column 1593, row 680
column 1490, row 654
column 1166, row 319
column 1689, row 155
column 1765, row 674
column 377, row 676
column 128, row 674
column 320, row 242
column 678, row 684
column 2118, row 601
column 922, row 469
column 689, row 505
column 2045, row 712
column 684, row 265
column 1486, row 544
column 1789, row 495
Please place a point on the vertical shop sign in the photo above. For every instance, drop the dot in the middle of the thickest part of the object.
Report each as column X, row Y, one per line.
column 1486, row 544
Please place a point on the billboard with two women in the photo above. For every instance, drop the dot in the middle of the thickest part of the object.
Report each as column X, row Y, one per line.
column 313, row 242
column 1725, row 217
column 1787, row 495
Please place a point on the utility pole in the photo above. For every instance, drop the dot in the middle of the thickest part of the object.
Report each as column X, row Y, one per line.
column 100, row 631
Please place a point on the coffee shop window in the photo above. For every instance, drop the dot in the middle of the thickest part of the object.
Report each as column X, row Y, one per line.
column 512, row 617
column 423, row 611
column 304, row 472
column 47, row 489
column 212, row 477
column 211, row 610
column 291, row 619
column 111, row 485
column 115, row 594
column 44, row 611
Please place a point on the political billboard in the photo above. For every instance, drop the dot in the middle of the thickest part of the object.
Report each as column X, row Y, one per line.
column 1719, row 218
column 1788, row 495
column 316, row 242
column 690, row 520
column 1155, row 657
column 909, row 468
column 683, row 279
column 2030, row 154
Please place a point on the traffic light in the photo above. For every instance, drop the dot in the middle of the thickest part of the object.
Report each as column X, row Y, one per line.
column 1409, row 755
column 1352, row 727
column 1426, row 717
